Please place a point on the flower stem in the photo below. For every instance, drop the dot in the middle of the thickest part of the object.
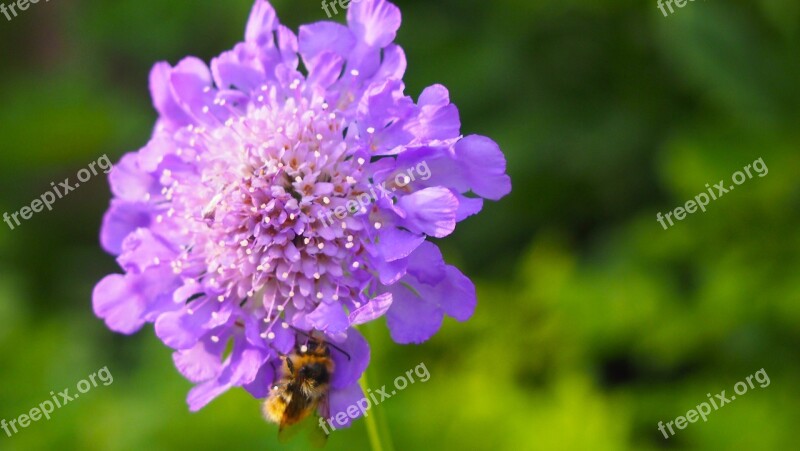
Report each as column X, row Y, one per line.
column 372, row 426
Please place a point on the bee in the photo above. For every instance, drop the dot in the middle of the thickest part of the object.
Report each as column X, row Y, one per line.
column 303, row 385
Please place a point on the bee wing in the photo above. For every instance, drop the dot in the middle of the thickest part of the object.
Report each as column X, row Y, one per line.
column 319, row 437
column 309, row 427
column 298, row 409
column 324, row 408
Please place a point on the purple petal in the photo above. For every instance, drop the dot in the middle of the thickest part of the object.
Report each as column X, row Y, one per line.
column 393, row 65
column 426, row 264
column 129, row 182
column 457, row 295
column 329, row 318
column 395, row 243
column 263, row 21
column 199, row 364
column 204, row 393
column 439, row 118
column 373, row 309
column 324, row 37
column 121, row 219
column 287, row 42
column 411, row 319
column 244, row 364
column 259, row 387
column 431, row 211
column 468, row 206
column 343, row 399
column 485, row 166
column 188, row 81
column 390, row 272
column 239, row 68
column 121, row 306
column 349, row 370
column 374, row 22
column 142, row 250
column 163, row 100
column 181, row 330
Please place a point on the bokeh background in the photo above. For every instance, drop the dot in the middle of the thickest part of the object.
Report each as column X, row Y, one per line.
column 593, row 323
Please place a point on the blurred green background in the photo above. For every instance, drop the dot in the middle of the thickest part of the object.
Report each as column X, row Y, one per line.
column 593, row 323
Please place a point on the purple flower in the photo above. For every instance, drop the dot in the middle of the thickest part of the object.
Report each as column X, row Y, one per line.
column 229, row 223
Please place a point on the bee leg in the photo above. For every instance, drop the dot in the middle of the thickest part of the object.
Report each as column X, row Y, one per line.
column 289, row 364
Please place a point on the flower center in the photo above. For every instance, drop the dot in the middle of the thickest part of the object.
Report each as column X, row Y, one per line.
column 266, row 177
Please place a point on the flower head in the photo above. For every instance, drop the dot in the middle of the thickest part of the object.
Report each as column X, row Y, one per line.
column 274, row 198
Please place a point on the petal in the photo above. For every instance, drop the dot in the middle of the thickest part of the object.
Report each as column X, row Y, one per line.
column 342, row 399
column 329, row 318
column 181, row 329
column 243, row 365
column 189, row 81
column 484, row 165
column 431, row 211
column 288, row 44
column 324, row 37
column 262, row 22
column 163, row 100
column 438, row 118
column 393, row 65
column 426, row 264
column 151, row 155
column 204, row 393
column 199, row 363
column 395, row 243
column 142, row 250
column 350, row 367
column 121, row 219
column 259, row 387
column 115, row 300
column 411, row 319
column 468, row 206
column 238, row 68
column 457, row 295
column 374, row 22
column 129, row 182
column 389, row 272
column 373, row 309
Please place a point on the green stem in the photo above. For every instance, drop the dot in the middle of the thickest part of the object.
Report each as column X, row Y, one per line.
column 372, row 426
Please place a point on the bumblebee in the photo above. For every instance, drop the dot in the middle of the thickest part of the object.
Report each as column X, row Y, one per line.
column 303, row 385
